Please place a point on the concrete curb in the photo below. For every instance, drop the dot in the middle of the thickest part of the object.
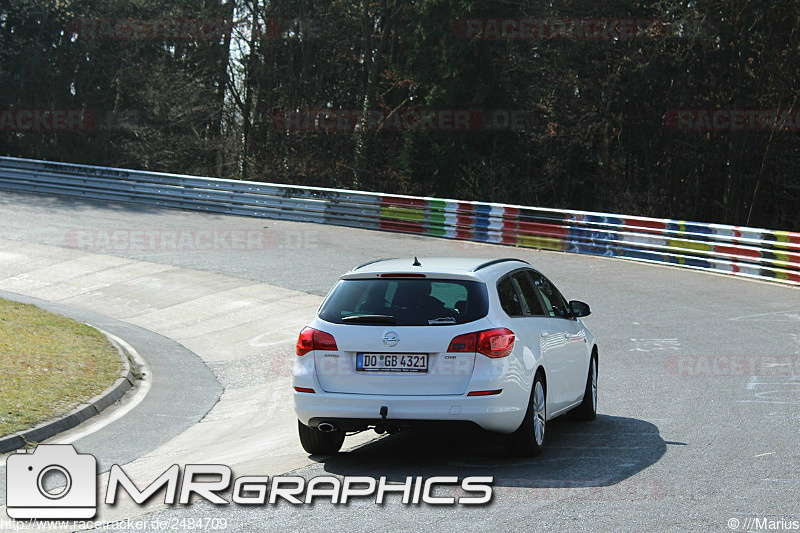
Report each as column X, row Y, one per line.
column 82, row 412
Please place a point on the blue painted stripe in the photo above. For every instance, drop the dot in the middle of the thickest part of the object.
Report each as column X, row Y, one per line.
column 698, row 228
column 481, row 222
column 697, row 262
column 589, row 241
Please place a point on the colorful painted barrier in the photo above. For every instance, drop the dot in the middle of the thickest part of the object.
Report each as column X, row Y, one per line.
column 742, row 251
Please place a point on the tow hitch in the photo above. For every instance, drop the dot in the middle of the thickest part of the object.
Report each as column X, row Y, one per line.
column 382, row 428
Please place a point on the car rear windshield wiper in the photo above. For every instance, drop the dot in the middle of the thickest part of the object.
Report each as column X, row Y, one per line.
column 369, row 319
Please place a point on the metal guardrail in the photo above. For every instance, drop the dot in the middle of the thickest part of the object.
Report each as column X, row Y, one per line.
column 742, row 251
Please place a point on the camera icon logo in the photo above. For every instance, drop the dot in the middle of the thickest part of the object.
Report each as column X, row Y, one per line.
column 52, row 482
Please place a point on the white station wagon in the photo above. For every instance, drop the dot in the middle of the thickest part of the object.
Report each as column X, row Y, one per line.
column 408, row 344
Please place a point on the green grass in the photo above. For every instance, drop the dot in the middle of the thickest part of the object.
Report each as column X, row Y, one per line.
column 49, row 364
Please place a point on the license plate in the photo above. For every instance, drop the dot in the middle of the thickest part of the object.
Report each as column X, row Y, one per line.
column 391, row 362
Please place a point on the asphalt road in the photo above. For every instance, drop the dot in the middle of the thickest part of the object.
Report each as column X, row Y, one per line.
column 673, row 449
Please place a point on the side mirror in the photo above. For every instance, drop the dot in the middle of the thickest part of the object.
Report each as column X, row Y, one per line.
column 578, row 309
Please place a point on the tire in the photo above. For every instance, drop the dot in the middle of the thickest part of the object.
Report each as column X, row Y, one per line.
column 528, row 440
column 316, row 442
column 587, row 410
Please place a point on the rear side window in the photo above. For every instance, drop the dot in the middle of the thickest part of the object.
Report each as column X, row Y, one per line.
column 530, row 298
column 553, row 301
column 406, row 302
column 509, row 299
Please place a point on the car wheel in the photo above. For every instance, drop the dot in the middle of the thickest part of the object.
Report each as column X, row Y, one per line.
column 317, row 442
column 587, row 410
column 528, row 440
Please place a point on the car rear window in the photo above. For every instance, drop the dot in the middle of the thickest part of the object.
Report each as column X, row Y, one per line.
column 406, row 302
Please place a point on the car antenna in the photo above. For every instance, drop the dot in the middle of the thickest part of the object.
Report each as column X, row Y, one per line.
column 416, row 262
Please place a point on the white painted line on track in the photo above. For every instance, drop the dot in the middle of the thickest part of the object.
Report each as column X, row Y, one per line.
column 97, row 423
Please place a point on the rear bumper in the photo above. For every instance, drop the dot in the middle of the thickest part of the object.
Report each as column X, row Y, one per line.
column 500, row 413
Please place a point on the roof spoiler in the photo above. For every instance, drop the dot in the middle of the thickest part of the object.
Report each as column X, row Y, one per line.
column 496, row 261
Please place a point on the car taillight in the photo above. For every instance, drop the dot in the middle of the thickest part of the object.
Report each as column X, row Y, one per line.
column 313, row 339
column 490, row 342
column 496, row 342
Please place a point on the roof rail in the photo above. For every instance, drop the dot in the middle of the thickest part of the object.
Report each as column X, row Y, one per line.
column 496, row 261
column 362, row 265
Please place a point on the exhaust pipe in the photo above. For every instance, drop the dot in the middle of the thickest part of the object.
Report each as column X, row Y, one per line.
column 326, row 427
